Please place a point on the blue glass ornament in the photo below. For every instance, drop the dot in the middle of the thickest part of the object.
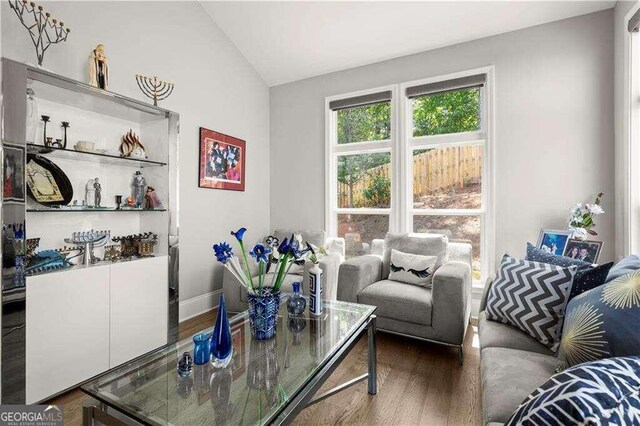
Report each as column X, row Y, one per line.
column 185, row 365
column 296, row 303
column 201, row 349
column 220, row 345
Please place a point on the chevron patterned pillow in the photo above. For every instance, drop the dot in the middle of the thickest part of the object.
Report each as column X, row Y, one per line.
column 601, row 392
column 531, row 296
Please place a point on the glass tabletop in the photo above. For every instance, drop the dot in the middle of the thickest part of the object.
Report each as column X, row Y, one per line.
column 262, row 378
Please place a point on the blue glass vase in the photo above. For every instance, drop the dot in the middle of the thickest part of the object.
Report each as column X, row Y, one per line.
column 263, row 314
column 220, row 345
column 201, row 348
column 296, row 303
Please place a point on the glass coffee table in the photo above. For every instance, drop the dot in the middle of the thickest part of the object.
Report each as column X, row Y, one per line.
column 267, row 382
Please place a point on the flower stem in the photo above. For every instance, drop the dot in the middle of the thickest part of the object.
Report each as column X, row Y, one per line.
column 246, row 264
column 260, row 276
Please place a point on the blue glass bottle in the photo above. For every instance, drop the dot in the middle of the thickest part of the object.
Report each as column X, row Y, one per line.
column 220, row 345
column 201, row 349
column 296, row 302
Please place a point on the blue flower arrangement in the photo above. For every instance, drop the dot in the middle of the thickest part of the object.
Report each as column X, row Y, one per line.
column 280, row 255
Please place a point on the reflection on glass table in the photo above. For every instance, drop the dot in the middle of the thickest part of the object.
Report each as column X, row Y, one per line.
column 266, row 382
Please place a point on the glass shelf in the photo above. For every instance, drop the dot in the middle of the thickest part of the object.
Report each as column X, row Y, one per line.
column 77, row 265
column 72, row 154
column 85, row 210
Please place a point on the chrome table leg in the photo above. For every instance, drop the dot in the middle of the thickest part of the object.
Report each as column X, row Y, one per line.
column 372, row 379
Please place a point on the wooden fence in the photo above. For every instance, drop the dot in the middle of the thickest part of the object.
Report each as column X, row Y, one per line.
column 434, row 170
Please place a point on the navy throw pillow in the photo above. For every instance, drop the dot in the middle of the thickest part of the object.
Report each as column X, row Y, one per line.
column 587, row 277
column 602, row 392
column 602, row 323
column 626, row 265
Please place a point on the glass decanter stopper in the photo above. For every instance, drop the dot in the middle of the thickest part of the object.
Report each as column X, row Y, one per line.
column 296, row 302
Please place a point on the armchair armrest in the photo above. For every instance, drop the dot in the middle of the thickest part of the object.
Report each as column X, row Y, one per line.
column 451, row 294
column 336, row 245
column 377, row 247
column 356, row 274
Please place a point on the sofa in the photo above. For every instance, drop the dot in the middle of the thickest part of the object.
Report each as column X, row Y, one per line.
column 439, row 313
column 512, row 365
column 235, row 295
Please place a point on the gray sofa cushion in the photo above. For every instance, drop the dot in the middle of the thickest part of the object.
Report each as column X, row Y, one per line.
column 628, row 264
column 317, row 238
column 423, row 244
column 494, row 334
column 508, row 377
column 396, row 300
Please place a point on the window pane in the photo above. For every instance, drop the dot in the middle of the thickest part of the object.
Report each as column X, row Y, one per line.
column 448, row 178
column 364, row 123
column 359, row 230
column 448, row 112
column 364, row 180
column 457, row 228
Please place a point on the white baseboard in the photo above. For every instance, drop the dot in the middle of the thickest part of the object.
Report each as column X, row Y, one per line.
column 198, row 305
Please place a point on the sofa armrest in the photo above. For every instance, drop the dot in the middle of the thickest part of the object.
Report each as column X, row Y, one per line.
column 460, row 252
column 485, row 292
column 336, row 245
column 451, row 296
column 356, row 274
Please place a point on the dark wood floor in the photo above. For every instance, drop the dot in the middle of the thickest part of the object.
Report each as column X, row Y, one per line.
column 418, row 383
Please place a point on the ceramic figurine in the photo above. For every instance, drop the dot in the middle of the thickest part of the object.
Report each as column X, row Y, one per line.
column 98, row 192
column 151, row 199
column 98, row 68
column 89, row 193
column 33, row 119
column 139, row 184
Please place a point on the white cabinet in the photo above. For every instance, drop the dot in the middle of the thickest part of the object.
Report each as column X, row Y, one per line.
column 82, row 322
column 67, row 331
column 139, row 298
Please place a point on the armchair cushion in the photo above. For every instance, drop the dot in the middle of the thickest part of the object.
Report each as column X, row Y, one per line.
column 356, row 274
column 423, row 244
column 401, row 301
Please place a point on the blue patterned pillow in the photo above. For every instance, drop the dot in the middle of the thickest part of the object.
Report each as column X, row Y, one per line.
column 587, row 277
column 628, row 264
column 602, row 323
column 602, row 392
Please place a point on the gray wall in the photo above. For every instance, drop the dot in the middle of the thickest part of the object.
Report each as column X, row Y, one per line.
column 554, row 126
column 215, row 88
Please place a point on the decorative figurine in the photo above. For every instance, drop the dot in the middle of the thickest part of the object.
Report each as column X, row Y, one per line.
column 98, row 68
column 57, row 144
column 90, row 193
column 112, row 252
column 45, row 119
column 118, row 201
column 153, row 88
column 43, row 29
column 139, row 184
column 65, row 126
column 98, row 192
column 32, row 116
column 131, row 147
column 139, row 245
column 151, row 199
column 131, row 202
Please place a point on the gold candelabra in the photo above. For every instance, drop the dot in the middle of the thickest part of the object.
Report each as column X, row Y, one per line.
column 153, row 88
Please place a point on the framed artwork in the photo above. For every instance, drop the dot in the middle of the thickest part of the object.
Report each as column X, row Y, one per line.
column 13, row 173
column 553, row 241
column 588, row 251
column 222, row 161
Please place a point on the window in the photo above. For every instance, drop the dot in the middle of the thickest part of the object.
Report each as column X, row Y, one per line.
column 360, row 151
column 433, row 177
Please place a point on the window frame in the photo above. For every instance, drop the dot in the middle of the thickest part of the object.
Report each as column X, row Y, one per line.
column 401, row 145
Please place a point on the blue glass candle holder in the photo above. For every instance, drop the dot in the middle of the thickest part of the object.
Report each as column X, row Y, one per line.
column 201, row 350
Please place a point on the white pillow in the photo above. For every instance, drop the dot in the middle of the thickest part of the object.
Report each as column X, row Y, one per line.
column 412, row 268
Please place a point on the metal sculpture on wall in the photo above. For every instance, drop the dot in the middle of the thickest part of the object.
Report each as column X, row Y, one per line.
column 43, row 29
column 153, row 88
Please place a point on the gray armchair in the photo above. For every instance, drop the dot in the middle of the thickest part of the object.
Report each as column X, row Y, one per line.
column 438, row 314
column 235, row 295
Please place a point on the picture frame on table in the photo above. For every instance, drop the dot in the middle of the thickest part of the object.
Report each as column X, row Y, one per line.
column 587, row 251
column 553, row 241
column 222, row 161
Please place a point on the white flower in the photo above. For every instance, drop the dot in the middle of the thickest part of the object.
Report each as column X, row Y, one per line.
column 579, row 233
column 595, row 209
column 577, row 219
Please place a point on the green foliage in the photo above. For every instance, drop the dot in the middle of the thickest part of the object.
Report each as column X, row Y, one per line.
column 364, row 123
column 448, row 112
column 379, row 191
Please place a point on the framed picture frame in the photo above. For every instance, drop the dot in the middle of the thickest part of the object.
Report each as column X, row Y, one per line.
column 588, row 251
column 13, row 177
column 553, row 241
column 222, row 161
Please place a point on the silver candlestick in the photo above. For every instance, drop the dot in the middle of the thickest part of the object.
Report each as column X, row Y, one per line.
column 89, row 240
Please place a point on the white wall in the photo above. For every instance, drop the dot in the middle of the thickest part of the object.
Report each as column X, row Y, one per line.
column 215, row 88
column 554, row 126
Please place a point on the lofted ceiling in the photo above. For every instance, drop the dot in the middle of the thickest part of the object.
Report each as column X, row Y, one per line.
column 288, row 41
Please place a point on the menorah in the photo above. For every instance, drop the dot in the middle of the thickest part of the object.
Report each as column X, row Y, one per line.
column 153, row 88
column 89, row 240
column 39, row 30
